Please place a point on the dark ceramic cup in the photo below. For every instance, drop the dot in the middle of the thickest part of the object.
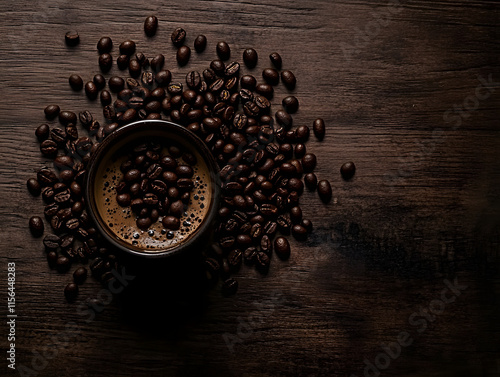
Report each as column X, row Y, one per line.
column 117, row 224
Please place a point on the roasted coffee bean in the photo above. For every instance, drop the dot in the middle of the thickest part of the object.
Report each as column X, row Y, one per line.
column 33, row 186
column 248, row 82
column 265, row 89
column 311, row 181
column 75, row 82
column 157, row 63
column 71, row 132
column 307, row 224
column 262, row 102
column 299, row 150
column 163, row 78
column 46, row 177
column 299, row 232
column 178, row 36
column 270, row 228
column 134, row 68
column 276, row 60
column 319, row 128
column 127, row 47
column 193, row 79
column 309, row 162
column 51, row 242
column 143, row 223
column 116, row 84
column 123, row 199
column 72, row 38
column 42, row 132
column 150, row 26
column 271, row 76
column 282, row 247
column 250, row 255
column 63, row 264
column 184, row 171
column 109, row 112
column 105, row 98
column 200, row 43
column 295, row 184
column 250, row 57
column 347, row 170
column 51, row 111
column 268, row 209
column 296, row 214
column 70, row 291
column 122, row 62
column 58, row 135
column 283, row 118
column 48, row 148
column 302, row 134
column 229, row 287
column 176, row 208
column 288, row 78
column 223, row 50
column 325, row 190
column 36, row 226
column 262, row 261
column 150, row 200
column 67, row 241
column 232, row 69
column 99, row 81
column 91, row 90
column 234, row 259
column 48, row 194
column 72, row 224
column 104, row 45
column 183, row 55
column 291, row 104
column 105, row 62
column 80, row 275
column 132, row 175
column 171, row 222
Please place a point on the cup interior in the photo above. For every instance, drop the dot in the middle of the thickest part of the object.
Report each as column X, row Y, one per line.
column 117, row 224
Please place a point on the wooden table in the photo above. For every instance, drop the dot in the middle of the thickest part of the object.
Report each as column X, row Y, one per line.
column 403, row 88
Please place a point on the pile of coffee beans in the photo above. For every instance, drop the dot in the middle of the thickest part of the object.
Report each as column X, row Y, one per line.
column 264, row 163
column 154, row 184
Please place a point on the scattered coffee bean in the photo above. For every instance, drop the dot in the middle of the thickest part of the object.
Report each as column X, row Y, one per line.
column 150, row 26
column 200, row 43
column 71, row 292
column 276, row 60
column 122, row 61
column 271, row 76
column 250, row 57
column 347, row 170
column 75, row 82
column 105, row 62
column 291, row 104
column 288, row 78
column 282, row 247
column 183, row 55
column 105, row 98
column 223, row 50
column 91, row 90
column 178, row 36
column 80, row 275
column 72, row 38
column 104, row 45
column 36, row 226
column 127, row 47
column 51, row 111
column 319, row 128
column 311, row 181
column 325, row 191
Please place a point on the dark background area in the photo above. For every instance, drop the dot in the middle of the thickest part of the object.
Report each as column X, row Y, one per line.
column 422, row 208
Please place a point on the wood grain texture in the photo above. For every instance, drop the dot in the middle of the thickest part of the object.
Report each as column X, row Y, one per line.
column 423, row 206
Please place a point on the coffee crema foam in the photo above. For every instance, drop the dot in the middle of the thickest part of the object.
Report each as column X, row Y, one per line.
column 121, row 221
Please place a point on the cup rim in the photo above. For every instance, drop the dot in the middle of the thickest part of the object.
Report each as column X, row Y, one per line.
column 138, row 126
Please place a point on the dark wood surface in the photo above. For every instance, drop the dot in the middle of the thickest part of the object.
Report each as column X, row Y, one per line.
column 423, row 206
